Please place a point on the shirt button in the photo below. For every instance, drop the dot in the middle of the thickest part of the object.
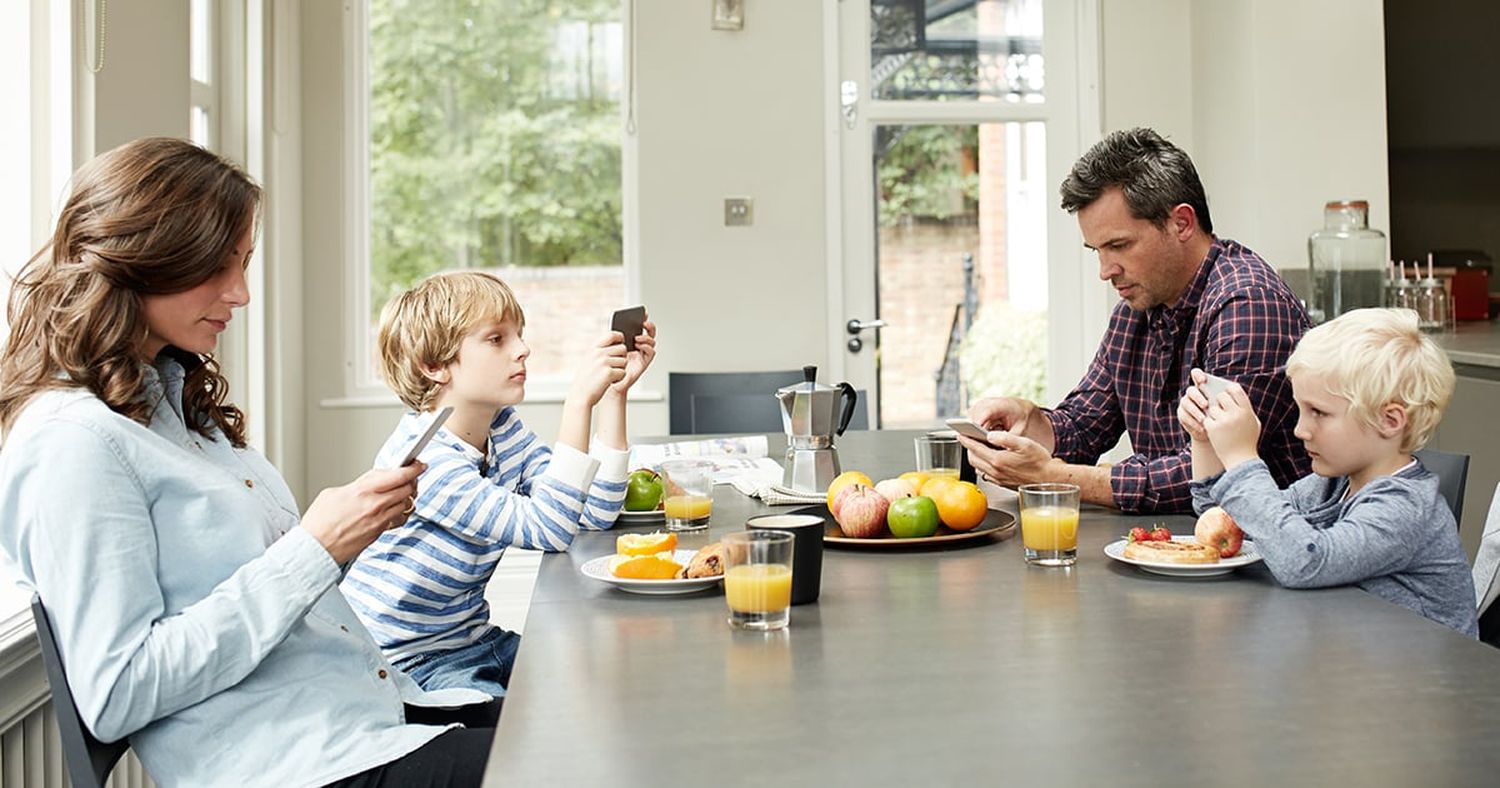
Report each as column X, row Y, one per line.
column 341, row 626
column 382, row 673
column 250, row 484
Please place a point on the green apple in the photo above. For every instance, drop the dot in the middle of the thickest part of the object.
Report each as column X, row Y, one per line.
column 642, row 491
column 909, row 518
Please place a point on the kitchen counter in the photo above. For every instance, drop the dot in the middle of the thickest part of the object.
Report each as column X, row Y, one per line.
column 1474, row 344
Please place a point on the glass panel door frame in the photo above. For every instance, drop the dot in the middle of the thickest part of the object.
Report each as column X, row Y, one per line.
column 1077, row 305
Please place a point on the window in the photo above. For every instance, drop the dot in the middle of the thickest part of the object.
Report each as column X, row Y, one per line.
column 202, row 115
column 35, row 162
column 488, row 137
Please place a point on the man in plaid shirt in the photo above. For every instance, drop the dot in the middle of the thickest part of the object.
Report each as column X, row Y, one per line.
column 1187, row 299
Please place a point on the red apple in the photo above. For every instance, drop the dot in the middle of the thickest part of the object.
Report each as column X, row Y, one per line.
column 837, row 503
column 861, row 512
column 895, row 488
column 1218, row 530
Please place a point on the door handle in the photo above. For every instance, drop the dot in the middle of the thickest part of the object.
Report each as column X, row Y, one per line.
column 856, row 326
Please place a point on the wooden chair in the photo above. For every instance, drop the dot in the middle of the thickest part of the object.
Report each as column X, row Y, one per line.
column 89, row 760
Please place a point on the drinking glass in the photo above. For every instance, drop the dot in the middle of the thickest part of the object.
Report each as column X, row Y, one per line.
column 1049, row 523
column 758, row 578
column 689, row 489
column 938, row 454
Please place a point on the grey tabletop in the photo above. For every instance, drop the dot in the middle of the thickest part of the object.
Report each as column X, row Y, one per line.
column 966, row 665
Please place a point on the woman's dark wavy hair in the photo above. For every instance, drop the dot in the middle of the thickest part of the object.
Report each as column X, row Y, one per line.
column 1155, row 176
column 152, row 217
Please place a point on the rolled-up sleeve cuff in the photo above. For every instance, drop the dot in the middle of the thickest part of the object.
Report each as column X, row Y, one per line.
column 1065, row 441
column 572, row 467
column 614, row 464
column 308, row 568
column 1156, row 486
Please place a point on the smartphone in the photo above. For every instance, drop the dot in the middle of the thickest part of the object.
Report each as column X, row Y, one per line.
column 969, row 428
column 1214, row 386
column 630, row 321
column 426, row 438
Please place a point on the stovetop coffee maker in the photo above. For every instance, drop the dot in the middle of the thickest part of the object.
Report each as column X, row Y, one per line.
column 811, row 414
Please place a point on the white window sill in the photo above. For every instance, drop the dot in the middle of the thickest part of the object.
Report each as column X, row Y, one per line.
column 544, row 397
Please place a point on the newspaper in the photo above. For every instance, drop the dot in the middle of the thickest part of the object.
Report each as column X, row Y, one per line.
column 731, row 457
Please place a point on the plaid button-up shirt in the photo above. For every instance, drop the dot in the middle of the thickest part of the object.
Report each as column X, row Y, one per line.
column 1238, row 320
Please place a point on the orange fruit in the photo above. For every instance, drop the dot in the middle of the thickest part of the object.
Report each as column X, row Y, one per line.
column 961, row 506
column 646, row 544
column 644, row 567
column 844, row 480
column 930, row 487
column 917, row 479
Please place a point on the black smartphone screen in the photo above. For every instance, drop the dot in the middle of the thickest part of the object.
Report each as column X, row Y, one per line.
column 629, row 321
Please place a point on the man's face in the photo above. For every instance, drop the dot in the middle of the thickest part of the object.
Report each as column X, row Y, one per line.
column 1146, row 264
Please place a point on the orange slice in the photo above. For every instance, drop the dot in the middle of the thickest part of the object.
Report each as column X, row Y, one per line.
column 646, row 544
column 645, row 567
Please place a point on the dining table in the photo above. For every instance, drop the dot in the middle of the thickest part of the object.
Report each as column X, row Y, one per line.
column 962, row 664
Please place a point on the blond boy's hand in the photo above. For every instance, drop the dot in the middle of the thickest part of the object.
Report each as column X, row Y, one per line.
column 1232, row 426
column 1191, row 410
column 603, row 367
column 638, row 360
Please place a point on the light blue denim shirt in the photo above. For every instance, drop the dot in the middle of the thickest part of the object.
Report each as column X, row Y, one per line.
column 194, row 615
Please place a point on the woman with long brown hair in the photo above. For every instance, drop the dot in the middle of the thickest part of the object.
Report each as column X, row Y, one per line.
column 196, row 610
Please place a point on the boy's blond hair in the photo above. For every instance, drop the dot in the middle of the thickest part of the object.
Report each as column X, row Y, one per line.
column 424, row 327
column 1374, row 357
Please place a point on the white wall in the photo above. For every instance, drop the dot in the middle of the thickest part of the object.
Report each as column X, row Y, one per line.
column 1280, row 103
column 142, row 90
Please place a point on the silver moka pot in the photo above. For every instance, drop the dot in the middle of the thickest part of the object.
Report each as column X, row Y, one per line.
column 813, row 414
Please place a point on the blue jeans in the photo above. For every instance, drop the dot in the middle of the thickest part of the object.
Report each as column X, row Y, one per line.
column 483, row 665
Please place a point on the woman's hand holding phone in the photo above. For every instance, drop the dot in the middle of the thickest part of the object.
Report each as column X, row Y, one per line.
column 345, row 520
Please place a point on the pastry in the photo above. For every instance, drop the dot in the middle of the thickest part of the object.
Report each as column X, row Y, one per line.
column 708, row 562
column 1171, row 552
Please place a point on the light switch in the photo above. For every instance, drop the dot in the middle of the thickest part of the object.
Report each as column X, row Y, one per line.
column 739, row 211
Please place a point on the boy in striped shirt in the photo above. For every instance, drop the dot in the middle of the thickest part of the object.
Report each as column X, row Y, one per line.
column 455, row 339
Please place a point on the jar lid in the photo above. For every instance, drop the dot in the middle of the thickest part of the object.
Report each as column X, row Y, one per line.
column 1334, row 205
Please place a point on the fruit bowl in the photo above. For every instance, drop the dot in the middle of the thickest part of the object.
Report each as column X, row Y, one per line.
column 997, row 525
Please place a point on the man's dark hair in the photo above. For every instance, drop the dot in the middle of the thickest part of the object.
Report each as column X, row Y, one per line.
column 1154, row 175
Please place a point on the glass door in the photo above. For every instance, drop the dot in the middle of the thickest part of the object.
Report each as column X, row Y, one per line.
column 953, row 116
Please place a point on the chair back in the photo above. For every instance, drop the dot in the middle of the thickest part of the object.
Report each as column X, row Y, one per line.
column 89, row 760
column 1452, row 471
column 712, row 403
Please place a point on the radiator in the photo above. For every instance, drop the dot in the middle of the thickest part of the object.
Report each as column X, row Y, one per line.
column 31, row 756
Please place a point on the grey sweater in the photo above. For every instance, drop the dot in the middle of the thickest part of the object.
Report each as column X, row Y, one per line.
column 1395, row 538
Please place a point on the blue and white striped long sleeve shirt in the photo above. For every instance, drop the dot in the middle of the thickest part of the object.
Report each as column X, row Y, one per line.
column 419, row 588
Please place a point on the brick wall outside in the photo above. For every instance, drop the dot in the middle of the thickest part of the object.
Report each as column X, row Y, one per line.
column 567, row 309
column 921, row 280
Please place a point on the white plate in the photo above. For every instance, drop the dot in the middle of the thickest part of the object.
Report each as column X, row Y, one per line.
column 652, row 517
column 598, row 569
column 1246, row 557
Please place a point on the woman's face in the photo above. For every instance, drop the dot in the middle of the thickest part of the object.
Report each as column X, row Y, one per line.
column 192, row 320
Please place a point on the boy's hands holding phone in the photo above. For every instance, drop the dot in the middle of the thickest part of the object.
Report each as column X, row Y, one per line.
column 1218, row 412
column 637, row 360
column 603, row 367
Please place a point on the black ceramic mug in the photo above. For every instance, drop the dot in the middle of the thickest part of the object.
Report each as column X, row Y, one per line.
column 807, row 550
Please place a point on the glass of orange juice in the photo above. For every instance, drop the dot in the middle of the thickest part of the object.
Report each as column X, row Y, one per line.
column 758, row 578
column 938, row 454
column 1049, row 523
column 689, row 494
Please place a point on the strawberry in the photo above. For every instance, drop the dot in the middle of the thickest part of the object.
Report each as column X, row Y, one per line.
column 1139, row 534
column 1160, row 534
